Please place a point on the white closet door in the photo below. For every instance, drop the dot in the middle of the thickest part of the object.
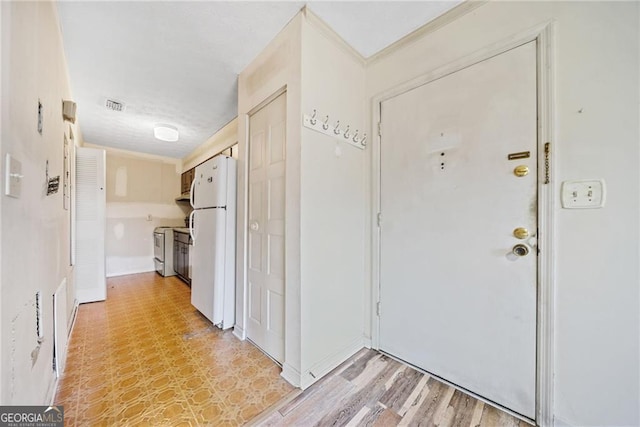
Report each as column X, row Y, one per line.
column 90, row 225
column 267, row 137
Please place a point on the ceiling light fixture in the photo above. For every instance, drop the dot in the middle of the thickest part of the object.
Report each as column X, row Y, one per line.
column 165, row 133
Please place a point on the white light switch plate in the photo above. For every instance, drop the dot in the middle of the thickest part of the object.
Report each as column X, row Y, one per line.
column 583, row 194
column 13, row 178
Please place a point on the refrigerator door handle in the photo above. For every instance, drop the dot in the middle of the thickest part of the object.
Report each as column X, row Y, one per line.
column 191, row 198
column 191, row 216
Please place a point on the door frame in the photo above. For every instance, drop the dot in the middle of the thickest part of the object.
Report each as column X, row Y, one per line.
column 543, row 34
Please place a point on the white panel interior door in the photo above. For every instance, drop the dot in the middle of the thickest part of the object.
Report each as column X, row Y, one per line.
column 455, row 300
column 265, row 302
column 90, row 225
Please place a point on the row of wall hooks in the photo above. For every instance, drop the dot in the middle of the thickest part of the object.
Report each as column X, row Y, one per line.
column 352, row 137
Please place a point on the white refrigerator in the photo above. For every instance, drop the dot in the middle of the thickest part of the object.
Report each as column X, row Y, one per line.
column 212, row 225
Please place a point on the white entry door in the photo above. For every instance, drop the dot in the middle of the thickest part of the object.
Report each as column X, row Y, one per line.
column 90, row 278
column 457, row 299
column 267, row 137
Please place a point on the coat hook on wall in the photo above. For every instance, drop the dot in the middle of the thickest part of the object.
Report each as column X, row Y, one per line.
column 325, row 125
column 336, row 129
column 322, row 126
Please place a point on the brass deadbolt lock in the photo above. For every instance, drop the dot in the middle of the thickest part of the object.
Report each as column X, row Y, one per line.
column 520, row 250
column 521, row 170
column 521, row 233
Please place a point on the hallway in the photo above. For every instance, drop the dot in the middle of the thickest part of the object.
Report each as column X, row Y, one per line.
column 146, row 356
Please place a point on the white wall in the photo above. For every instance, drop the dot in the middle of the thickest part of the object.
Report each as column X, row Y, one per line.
column 597, row 293
column 275, row 68
column 138, row 186
column 325, row 195
column 35, row 227
column 333, row 204
column 4, row 117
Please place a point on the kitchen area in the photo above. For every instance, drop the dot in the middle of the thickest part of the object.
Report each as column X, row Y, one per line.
column 149, row 212
column 172, row 245
column 201, row 251
column 171, row 248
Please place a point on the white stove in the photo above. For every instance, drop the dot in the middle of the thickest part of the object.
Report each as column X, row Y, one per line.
column 163, row 250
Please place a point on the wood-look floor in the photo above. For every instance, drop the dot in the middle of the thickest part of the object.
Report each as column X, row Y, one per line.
column 372, row 389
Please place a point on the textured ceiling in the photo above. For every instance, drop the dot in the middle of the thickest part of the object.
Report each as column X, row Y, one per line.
column 177, row 62
column 373, row 25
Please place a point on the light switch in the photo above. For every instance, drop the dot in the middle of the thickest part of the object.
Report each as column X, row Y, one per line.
column 583, row 194
column 13, row 178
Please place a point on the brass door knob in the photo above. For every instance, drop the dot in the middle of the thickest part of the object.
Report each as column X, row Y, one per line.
column 521, row 170
column 521, row 233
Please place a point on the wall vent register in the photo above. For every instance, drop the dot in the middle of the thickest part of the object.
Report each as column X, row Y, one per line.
column 114, row 105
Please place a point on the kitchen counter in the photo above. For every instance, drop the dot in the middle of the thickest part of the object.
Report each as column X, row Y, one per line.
column 181, row 230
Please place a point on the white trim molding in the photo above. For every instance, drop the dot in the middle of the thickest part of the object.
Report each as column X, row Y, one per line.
column 326, row 365
column 543, row 34
column 291, row 374
column 546, row 226
column 239, row 333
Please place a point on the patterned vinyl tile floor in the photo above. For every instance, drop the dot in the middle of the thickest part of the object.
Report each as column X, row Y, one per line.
column 145, row 356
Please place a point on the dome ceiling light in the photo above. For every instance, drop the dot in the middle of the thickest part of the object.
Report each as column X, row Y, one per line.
column 166, row 133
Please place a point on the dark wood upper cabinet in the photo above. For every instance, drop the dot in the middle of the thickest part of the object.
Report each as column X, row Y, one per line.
column 186, row 179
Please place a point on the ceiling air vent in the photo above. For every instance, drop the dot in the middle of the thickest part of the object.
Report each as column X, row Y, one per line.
column 114, row 105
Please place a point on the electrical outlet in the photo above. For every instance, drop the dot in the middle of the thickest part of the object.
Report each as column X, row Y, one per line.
column 583, row 194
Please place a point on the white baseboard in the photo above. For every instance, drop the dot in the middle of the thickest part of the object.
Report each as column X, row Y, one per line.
column 239, row 333
column 74, row 314
column 290, row 374
column 126, row 273
column 51, row 393
column 366, row 342
column 329, row 363
column 558, row 422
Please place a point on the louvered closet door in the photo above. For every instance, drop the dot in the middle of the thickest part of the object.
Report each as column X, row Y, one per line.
column 90, row 225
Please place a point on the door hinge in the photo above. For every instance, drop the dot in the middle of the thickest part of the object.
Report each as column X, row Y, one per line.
column 379, row 128
column 378, row 308
column 379, row 219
